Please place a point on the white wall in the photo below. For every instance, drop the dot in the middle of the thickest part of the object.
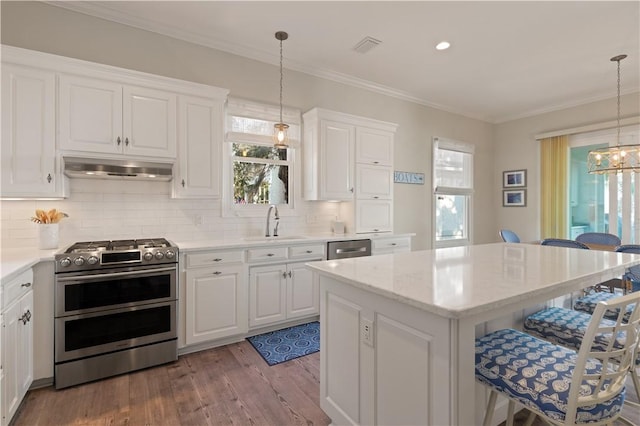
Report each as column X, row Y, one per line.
column 38, row 26
column 516, row 148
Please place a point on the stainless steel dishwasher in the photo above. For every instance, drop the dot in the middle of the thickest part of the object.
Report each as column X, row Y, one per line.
column 347, row 249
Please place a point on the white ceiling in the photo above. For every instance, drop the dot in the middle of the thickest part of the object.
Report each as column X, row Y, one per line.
column 508, row 59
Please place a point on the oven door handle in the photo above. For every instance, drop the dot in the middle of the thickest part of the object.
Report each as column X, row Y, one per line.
column 115, row 274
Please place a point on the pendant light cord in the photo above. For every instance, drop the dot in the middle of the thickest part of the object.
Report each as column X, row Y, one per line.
column 281, row 84
column 618, row 136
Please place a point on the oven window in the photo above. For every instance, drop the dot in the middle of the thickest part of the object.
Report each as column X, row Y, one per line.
column 116, row 291
column 102, row 329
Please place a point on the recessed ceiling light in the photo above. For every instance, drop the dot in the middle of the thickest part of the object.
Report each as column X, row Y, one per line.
column 443, row 45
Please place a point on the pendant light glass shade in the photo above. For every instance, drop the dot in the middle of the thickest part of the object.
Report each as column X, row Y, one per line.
column 280, row 136
column 618, row 158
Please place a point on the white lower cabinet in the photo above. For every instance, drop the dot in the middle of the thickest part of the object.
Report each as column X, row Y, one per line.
column 390, row 245
column 281, row 292
column 17, row 344
column 216, row 298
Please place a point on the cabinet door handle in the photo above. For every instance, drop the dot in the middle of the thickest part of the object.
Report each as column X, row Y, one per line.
column 217, row 259
column 270, row 254
column 376, row 162
column 309, row 251
column 126, row 141
column 217, row 273
column 351, row 189
column 284, row 275
column 25, row 285
column 183, row 183
column 28, row 314
column 393, row 244
column 49, row 178
column 119, row 140
column 375, row 229
column 289, row 274
column 375, row 197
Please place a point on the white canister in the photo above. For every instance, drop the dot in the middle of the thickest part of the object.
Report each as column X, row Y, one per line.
column 338, row 227
column 49, row 235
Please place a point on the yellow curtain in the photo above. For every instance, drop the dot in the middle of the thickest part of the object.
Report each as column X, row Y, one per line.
column 553, row 188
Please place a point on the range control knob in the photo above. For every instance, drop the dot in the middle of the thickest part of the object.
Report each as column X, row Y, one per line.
column 92, row 260
column 159, row 255
column 79, row 261
column 65, row 262
column 169, row 254
column 147, row 256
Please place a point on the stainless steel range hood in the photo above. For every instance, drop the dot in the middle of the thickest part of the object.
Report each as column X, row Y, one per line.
column 92, row 168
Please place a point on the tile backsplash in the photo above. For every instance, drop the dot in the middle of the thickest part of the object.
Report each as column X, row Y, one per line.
column 112, row 209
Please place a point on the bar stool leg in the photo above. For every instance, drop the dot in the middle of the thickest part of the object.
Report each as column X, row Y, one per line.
column 510, row 410
column 488, row 415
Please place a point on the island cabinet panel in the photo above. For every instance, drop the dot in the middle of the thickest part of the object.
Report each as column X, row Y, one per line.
column 382, row 362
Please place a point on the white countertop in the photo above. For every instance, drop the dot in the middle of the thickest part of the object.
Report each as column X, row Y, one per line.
column 15, row 261
column 239, row 242
column 462, row 281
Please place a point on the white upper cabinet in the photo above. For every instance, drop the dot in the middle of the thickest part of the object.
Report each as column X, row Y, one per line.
column 328, row 151
column 29, row 166
column 200, row 130
column 374, row 146
column 374, row 182
column 99, row 116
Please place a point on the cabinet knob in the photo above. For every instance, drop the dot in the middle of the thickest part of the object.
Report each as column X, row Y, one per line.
column 375, row 230
column 49, row 178
column 284, row 275
column 183, row 183
column 393, row 244
column 25, row 285
column 351, row 189
column 375, row 197
column 309, row 251
column 119, row 140
column 289, row 274
column 270, row 254
column 217, row 259
column 28, row 314
column 217, row 273
column 376, row 162
column 126, row 141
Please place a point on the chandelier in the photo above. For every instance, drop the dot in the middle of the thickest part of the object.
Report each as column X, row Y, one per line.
column 280, row 137
column 618, row 158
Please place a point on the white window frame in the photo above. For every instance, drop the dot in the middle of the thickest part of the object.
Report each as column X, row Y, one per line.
column 440, row 143
column 245, row 108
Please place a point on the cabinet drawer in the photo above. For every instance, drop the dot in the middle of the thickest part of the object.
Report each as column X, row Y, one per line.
column 305, row 252
column 18, row 286
column 391, row 243
column 214, row 258
column 266, row 254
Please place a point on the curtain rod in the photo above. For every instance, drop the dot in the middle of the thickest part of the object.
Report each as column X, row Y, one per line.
column 590, row 128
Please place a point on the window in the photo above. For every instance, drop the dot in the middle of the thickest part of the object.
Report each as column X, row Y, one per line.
column 453, row 189
column 258, row 174
column 602, row 203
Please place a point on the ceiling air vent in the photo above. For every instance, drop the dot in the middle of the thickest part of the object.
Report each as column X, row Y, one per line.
column 366, row 44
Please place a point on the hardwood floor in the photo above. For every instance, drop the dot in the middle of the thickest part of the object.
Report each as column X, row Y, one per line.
column 230, row 385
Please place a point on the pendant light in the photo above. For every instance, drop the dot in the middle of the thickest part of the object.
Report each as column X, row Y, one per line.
column 618, row 158
column 280, row 137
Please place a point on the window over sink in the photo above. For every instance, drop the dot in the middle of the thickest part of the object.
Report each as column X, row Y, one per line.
column 256, row 173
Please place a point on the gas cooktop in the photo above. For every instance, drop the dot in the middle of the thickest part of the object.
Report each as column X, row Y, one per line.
column 102, row 254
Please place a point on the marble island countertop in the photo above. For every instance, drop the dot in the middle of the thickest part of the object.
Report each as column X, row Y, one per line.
column 14, row 261
column 462, row 281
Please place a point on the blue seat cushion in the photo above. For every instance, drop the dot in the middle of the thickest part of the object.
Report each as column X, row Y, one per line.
column 588, row 304
column 566, row 327
column 538, row 374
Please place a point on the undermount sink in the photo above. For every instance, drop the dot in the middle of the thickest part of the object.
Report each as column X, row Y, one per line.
column 274, row 239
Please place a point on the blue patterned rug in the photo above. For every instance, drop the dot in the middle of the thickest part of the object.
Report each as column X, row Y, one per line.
column 287, row 344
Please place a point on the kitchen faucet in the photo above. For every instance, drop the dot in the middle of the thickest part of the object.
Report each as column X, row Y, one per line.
column 276, row 217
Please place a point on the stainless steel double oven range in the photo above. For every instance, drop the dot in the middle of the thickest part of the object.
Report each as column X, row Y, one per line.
column 115, row 308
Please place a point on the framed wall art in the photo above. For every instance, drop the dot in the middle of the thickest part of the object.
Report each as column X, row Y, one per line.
column 514, row 197
column 514, row 179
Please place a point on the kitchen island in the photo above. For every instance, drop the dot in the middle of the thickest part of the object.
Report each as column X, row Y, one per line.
column 398, row 331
